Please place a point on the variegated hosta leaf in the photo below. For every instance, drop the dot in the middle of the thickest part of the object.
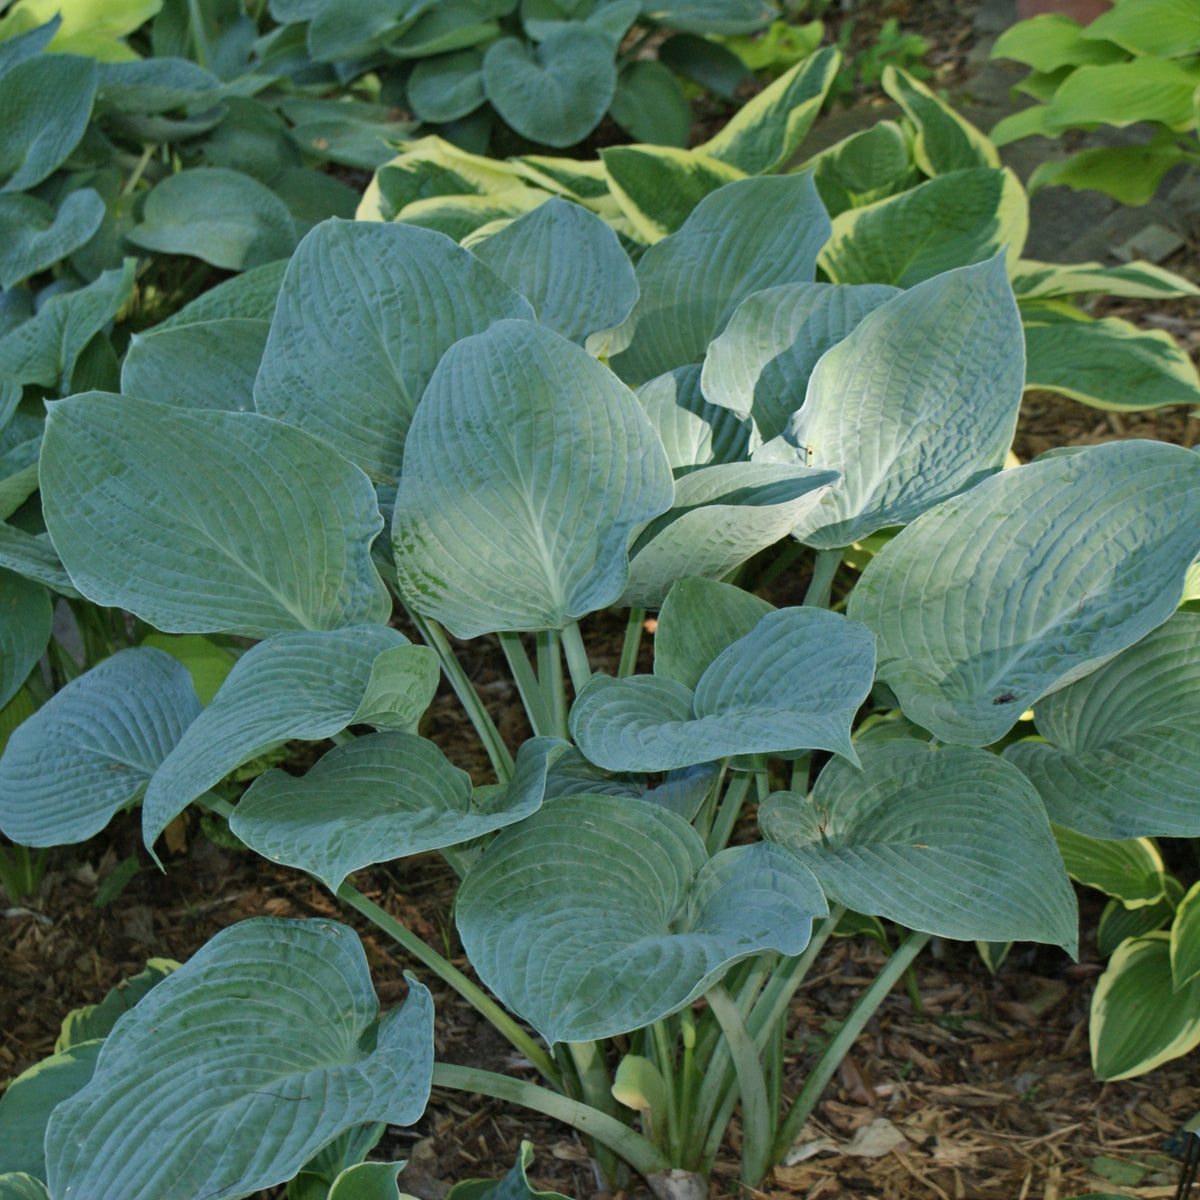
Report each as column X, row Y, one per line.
column 1185, row 939
column 944, row 141
column 379, row 797
column 694, row 433
column 920, row 401
column 1123, row 759
column 746, row 236
column 257, row 1049
column 568, row 264
column 365, row 312
column 514, row 1186
column 1028, row 582
column 527, row 466
column 760, row 365
column 19, row 1186
column 90, row 749
column 947, row 840
column 296, row 685
column 599, row 915
column 793, row 683
column 722, row 516
column 26, row 616
column 201, row 521
column 1131, row 870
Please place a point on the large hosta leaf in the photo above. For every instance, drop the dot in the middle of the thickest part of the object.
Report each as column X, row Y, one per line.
column 91, row 748
column 746, row 236
column 379, row 797
column 25, row 618
column 600, row 914
column 694, row 433
column 919, row 402
column 568, row 264
column 722, row 516
column 961, row 217
column 296, row 685
column 365, row 312
column 262, row 1047
column 526, row 467
column 951, row 841
column 199, row 521
column 1122, row 752
column 760, row 365
column 793, row 683
column 944, row 141
column 1029, row 581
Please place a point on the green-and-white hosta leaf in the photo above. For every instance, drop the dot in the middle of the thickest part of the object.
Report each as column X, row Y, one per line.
column 90, row 749
column 746, row 236
column 1139, row 1020
column 211, row 364
column 202, row 521
column 951, row 840
column 19, row 1186
column 380, row 797
column 514, row 1186
column 722, row 516
column 25, row 619
column 694, row 433
column 760, row 365
column 255, row 1047
column 864, row 167
column 1130, row 870
column 1123, row 752
column 295, row 685
column 1185, row 939
column 944, row 141
column 1034, row 280
column 961, row 217
column 568, row 264
column 600, row 914
column 365, row 312
column 793, row 683
column 526, row 467
column 1029, row 581
column 919, row 402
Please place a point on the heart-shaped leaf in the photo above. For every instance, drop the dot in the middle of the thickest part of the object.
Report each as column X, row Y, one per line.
column 1028, row 582
column 201, row 521
column 365, row 312
column 793, row 683
column 526, row 466
column 380, row 797
column 600, row 914
column 91, row 748
column 33, row 236
column 950, row 841
column 258, row 1045
column 1122, row 752
column 295, row 685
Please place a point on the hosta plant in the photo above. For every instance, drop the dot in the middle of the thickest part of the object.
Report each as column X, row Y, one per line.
column 500, row 442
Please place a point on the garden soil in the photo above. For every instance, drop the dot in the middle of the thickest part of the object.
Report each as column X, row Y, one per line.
column 964, row 1086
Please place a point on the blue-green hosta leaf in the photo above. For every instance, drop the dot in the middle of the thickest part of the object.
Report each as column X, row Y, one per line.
column 17, row 1185
column 1131, row 870
column 650, row 105
column 920, row 401
column 568, row 264
column 722, row 516
column 699, row 619
column 22, row 46
column 1028, row 582
column 295, row 685
column 527, row 465
column 380, row 797
column 1122, row 752
column 555, row 92
column 346, row 1150
column 157, row 85
column 32, row 556
column 793, row 683
column 45, row 105
column 944, row 141
column 748, row 235
column 682, row 791
column 600, row 914
column 33, row 236
column 90, row 749
column 447, row 86
column 256, row 1045
column 250, row 296
column 766, row 131
column 221, row 216
column 210, row 364
column 403, row 682
column 201, row 521
column 1139, row 1021
column 961, row 217
column 694, row 433
column 1185, row 939
column 25, row 618
column 365, row 313
column 951, row 841
column 710, row 16
column 760, row 365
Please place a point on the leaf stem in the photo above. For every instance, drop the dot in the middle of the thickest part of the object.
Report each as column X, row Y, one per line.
column 577, row 659
column 632, row 643
column 550, row 673
column 825, row 567
column 728, row 812
column 532, row 697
